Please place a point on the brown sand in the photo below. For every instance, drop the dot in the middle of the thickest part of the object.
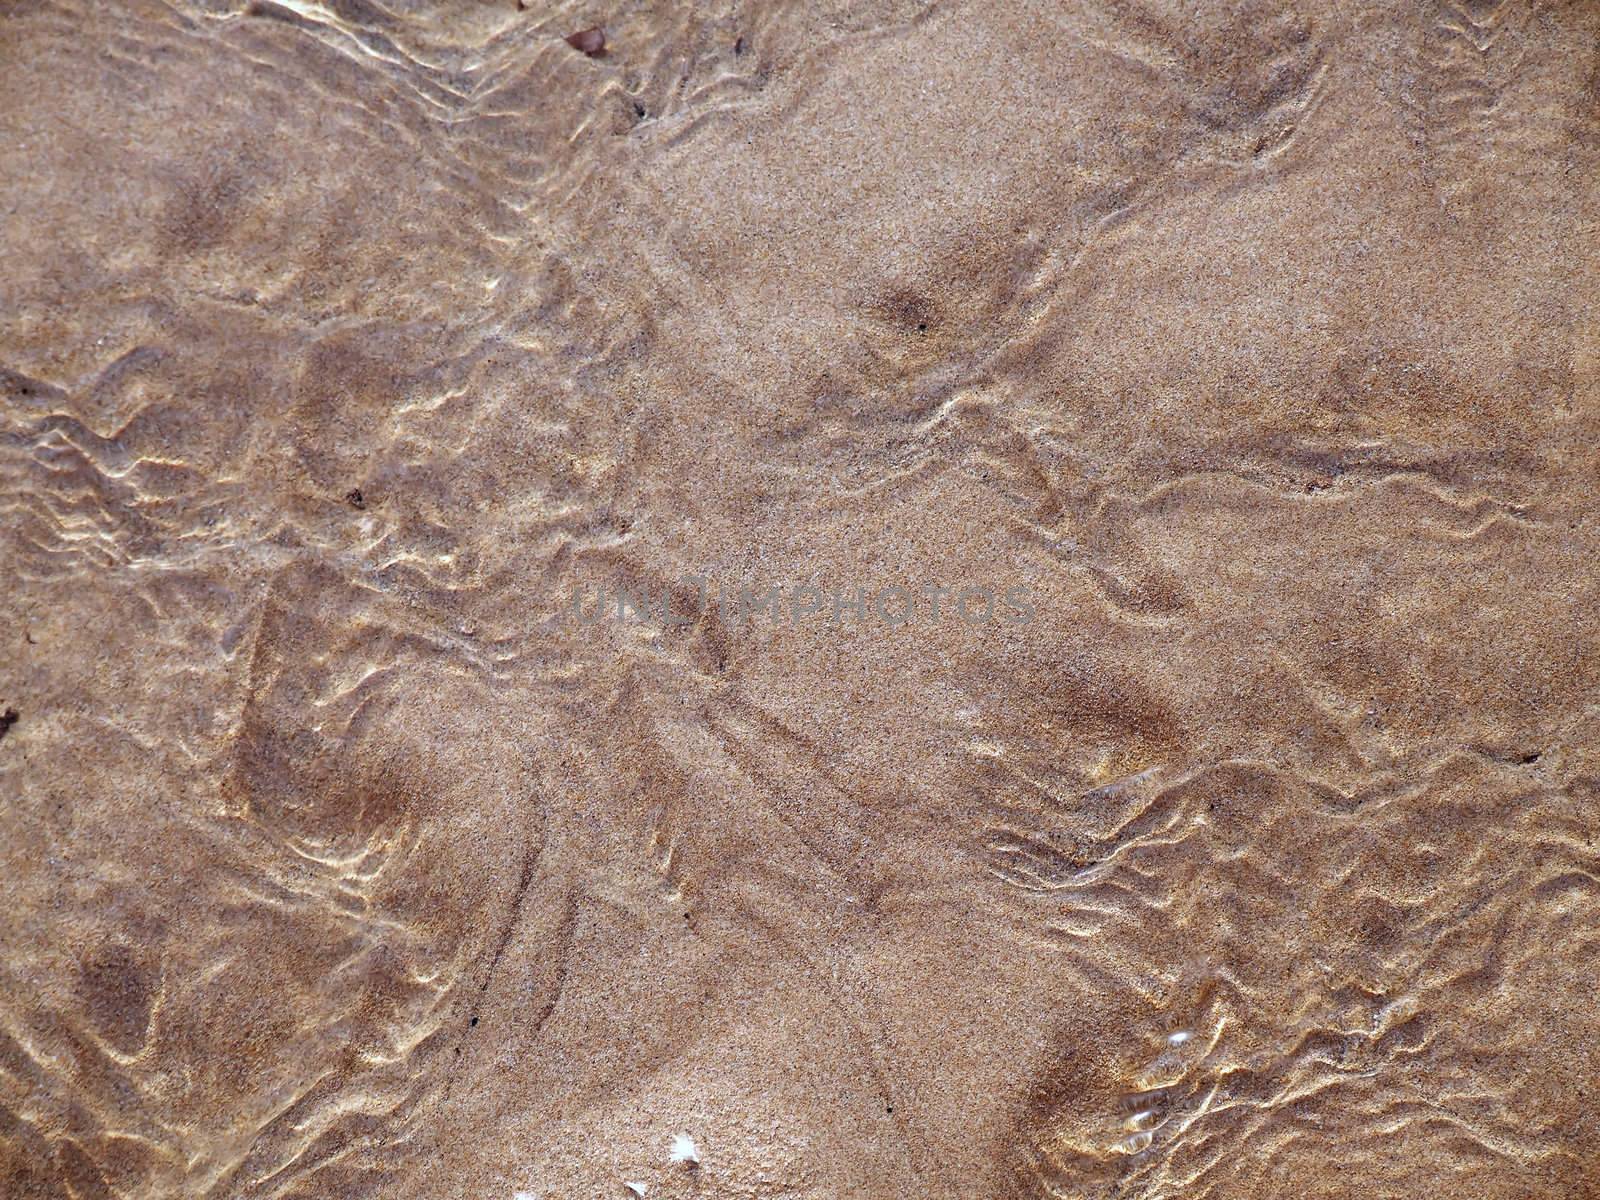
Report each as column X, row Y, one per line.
column 345, row 343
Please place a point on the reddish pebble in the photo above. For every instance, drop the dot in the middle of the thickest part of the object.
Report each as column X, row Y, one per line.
column 590, row 41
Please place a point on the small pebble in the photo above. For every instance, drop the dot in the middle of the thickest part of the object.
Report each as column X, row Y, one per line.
column 590, row 41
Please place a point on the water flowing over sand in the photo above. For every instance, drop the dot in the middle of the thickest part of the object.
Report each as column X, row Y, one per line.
column 349, row 350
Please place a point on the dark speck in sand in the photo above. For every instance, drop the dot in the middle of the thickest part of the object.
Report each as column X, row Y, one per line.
column 590, row 41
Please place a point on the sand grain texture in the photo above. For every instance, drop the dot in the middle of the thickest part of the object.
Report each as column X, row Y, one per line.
column 342, row 344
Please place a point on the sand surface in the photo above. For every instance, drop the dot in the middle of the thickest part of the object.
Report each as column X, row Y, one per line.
column 1201, row 801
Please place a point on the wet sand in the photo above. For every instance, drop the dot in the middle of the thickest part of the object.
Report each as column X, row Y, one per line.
column 1199, row 799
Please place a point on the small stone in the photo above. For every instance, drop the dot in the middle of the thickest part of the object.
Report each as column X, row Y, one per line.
column 590, row 41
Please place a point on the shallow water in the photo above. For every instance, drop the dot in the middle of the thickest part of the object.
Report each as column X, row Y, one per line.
column 342, row 346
